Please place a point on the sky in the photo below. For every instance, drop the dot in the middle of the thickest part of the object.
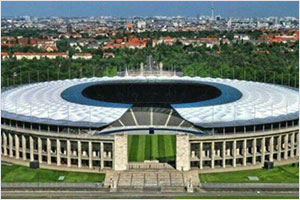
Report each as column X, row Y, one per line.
column 127, row 9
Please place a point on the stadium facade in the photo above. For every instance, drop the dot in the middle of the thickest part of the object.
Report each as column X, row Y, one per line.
column 83, row 123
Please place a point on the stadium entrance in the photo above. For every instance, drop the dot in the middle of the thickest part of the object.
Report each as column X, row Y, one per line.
column 146, row 150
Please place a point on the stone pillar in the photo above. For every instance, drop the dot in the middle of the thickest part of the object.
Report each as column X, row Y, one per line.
column 292, row 145
column 297, row 145
column 245, row 152
column 48, row 151
column 279, row 147
column 101, row 155
column 79, row 153
column 271, row 149
column 40, row 150
column 224, row 155
column 4, row 143
column 24, row 147
column 212, row 154
column 58, row 151
column 263, row 149
column 68, row 153
column 10, row 139
column 234, row 153
column 254, row 151
column 17, row 142
column 90, row 155
column 31, row 148
column 182, row 152
column 201, row 155
column 286, row 146
column 120, row 152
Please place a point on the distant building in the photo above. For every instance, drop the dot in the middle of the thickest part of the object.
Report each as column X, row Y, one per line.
column 108, row 55
column 4, row 55
column 39, row 55
column 86, row 56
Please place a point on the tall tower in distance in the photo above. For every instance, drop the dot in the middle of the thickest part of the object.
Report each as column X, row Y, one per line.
column 212, row 11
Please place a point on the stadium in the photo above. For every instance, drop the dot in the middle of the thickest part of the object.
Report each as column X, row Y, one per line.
column 85, row 124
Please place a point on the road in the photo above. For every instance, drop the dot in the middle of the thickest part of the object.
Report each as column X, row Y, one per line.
column 99, row 194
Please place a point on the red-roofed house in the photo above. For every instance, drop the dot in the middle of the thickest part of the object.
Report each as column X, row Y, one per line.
column 39, row 55
column 4, row 55
column 86, row 56
column 108, row 55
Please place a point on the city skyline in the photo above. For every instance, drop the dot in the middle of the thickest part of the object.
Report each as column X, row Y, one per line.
column 148, row 9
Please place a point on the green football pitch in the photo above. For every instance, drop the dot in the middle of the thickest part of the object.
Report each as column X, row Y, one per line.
column 151, row 147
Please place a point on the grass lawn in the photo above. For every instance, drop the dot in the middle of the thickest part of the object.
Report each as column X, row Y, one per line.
column 235, row 197
column 280, row 174
column 18, row 173
column 151, row 147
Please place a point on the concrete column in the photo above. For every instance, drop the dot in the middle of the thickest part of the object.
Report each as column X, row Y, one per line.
column 286, row 146
column 58, row 151
column 17, row 142
column 201, row 155
column 48, row 151
column 40, row 150
column 90, row 155
column 297, row 146
column 271, row 149
column 292, row 144
column 101, row 155
column 68, row 153
column 31, row 148
column 212, row 154
column 4, row 143
column 254, row 151
column 279, row 147
column 120, row 159
column 10, row 139
column 234, row 153
column 244, row 152
column 263, row 149
column 79, row 153
column 24, row 147
column 183, row 152
column 224, row 155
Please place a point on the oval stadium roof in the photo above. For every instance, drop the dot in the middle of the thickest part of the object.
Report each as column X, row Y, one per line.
column 258, row 103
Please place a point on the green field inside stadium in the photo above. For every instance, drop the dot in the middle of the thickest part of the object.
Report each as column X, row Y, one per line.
column 280, row 174
column 18, row 173
column 151, row 147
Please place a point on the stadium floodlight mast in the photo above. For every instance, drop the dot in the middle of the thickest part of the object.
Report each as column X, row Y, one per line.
column 221, row 71
column 29, row 77
column 7, row 81
column 20, row 75
column 38, row 76
column 273, row 77
column 58, row 71
column 69, row 71
column 14, row 76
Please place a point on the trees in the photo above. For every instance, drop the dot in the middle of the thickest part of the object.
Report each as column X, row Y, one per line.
column 241, row 61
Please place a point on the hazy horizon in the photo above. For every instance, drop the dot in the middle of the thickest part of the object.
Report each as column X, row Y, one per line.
column 148, row 9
